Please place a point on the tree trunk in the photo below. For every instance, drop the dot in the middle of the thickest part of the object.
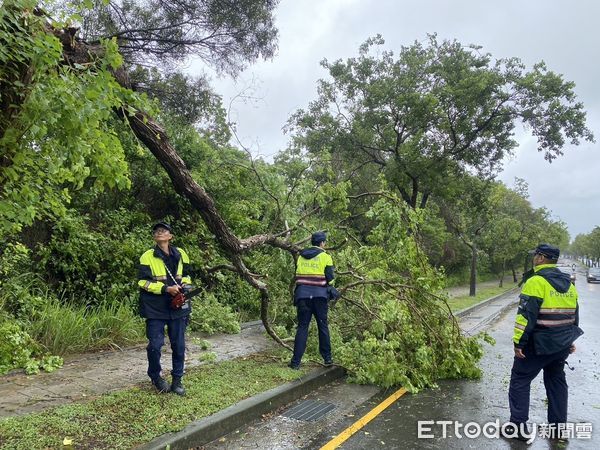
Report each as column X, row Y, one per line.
column 502, row 273
column 514, row 274
column 424, row 199
column 156, row 140
column 473, row 282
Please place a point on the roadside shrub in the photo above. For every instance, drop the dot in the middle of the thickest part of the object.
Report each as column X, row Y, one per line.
column 19, row 351
column 210, row 316
column 21, row 289
column 91, row 265
column 234, row 292
column 22, row 295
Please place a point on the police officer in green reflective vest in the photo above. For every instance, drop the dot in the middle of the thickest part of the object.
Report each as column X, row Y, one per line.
column 162, row 272
column 545, row 329
column 314, row 272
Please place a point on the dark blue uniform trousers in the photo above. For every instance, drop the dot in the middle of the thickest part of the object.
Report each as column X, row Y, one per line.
column 523, row 373
column 155, row 332
column 306, row 308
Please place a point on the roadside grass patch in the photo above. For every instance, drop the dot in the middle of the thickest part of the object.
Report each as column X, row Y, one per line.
column 462, row 302
column 69, row 328
column 124, row 419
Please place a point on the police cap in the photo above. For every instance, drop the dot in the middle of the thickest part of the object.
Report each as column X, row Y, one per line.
column 164, row 225
column 318, row 237
column 547, row 250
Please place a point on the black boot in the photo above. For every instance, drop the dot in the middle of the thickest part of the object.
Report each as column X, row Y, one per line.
column 177, row 387
column 161, row 385
column 518, row 431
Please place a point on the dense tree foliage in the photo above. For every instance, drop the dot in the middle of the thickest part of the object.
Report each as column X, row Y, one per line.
column 497, row 223
column 55, row 132
column 227, row 35
column 436, row 110
column 468, row 216
column 517, row 227
column 587, row 245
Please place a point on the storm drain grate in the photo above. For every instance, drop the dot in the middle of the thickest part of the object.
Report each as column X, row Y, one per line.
column 475, row 317
column 309, row 410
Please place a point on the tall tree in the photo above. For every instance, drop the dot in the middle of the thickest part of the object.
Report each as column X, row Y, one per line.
column 515, row 229
column 436, row 108
column 469, row 215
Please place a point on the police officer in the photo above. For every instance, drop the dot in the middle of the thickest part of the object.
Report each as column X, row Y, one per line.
column 314, row 272
column 163, row 270
column 545, row 329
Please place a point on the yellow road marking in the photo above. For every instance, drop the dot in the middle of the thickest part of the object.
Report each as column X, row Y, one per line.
column 348, row 432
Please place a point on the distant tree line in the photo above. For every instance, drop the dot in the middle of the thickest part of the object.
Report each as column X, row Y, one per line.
column 587, row 247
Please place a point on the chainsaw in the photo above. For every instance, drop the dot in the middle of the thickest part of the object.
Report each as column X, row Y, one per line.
column 181, row 300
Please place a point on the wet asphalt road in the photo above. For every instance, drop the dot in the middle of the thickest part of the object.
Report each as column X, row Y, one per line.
column 486, row 400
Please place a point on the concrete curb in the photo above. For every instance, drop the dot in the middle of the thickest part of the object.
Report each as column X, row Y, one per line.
column 492, row 317
column 254, row 323
column 465, row 311
column 223, row 422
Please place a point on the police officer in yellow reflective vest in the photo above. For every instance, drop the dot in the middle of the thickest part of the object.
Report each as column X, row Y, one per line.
column 163, row 270
column 314, row 272
column 545, row 329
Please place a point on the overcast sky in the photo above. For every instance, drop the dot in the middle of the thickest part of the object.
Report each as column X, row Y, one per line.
column 564, row 34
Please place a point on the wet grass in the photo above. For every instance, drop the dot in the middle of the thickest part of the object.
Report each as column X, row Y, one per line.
column 124, row 419
column 67, row 329
column 462, row 302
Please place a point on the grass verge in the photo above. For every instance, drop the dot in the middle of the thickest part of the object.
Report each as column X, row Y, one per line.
column 462, row 302
column 124, row 419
